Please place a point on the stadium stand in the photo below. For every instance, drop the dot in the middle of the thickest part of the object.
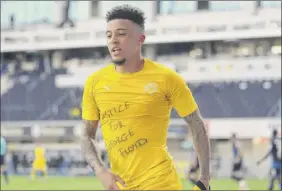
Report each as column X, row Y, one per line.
column 35, row 96
column 232, row 66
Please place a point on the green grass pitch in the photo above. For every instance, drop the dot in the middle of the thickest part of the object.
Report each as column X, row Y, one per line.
column 91, row 183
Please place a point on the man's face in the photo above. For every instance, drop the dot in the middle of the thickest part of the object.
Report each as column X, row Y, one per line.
column 124, row 40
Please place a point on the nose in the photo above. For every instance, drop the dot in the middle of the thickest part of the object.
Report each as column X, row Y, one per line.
column 114, row 40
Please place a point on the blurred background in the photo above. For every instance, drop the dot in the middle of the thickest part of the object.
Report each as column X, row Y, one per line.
column 229, row 52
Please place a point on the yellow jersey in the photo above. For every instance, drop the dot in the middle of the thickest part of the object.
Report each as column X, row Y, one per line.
column 39, row 162
column 39, row 153
column 134, row 112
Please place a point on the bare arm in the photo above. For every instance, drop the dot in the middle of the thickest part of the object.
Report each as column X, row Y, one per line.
column 89, row 147
column 201, row 142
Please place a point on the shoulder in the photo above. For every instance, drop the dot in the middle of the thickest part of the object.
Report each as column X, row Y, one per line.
column 99, row 74
column 159, row 66
column 167, row 72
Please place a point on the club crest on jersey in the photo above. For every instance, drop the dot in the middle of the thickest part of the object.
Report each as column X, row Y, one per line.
column 151, row 88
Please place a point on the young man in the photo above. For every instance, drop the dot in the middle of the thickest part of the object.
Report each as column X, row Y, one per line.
column 238, row 170
column 2, row 159
column 39, row 162
column 132, row 99
column 276, row 164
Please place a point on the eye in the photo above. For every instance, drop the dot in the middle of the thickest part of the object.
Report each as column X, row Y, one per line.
column 108, row 35
column 121, row 33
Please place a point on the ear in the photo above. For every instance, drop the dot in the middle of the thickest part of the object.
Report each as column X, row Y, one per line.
column 142, row 38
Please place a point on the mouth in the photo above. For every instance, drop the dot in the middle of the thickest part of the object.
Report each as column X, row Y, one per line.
column 116, row 50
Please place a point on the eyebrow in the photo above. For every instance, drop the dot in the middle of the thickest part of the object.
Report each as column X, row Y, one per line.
column 119, row 29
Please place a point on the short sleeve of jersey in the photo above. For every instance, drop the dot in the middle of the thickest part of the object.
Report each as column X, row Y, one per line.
column 180, row 95
column 89, row 107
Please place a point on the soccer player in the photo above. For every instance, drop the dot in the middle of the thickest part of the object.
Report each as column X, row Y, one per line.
column 39, row 162
column 193, row 169
column 132, row 99
column 2, row 159
column 238, row 169
column 276, row 164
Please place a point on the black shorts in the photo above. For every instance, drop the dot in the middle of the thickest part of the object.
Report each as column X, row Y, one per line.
column 237, row 166
column 2, row 160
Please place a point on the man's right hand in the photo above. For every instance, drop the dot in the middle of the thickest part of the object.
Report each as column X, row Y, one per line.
column 109, row 180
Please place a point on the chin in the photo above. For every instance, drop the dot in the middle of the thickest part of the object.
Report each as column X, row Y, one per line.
column 119, row 61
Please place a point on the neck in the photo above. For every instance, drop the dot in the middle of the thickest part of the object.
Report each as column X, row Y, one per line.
column 132, row 65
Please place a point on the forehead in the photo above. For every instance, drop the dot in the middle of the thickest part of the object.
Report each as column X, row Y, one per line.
column 117, row 24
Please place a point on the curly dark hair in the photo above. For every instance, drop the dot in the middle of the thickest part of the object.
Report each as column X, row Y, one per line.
column 128, row 12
